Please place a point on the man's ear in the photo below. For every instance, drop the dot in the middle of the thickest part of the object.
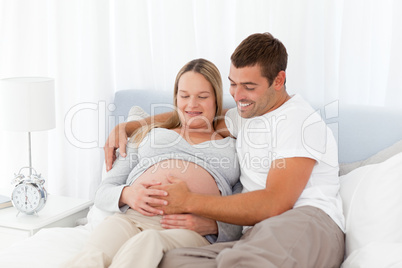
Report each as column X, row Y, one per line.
column 279, row 81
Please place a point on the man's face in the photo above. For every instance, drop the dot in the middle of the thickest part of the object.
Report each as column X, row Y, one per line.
column 251, row 91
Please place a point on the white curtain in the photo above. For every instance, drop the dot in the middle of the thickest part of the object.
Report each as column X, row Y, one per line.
column 346, row 51
column 71, row 41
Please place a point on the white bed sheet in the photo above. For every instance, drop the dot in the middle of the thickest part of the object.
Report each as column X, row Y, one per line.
column 50, row 247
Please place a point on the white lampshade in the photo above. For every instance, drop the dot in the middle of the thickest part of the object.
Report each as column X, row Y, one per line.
column 27, row 104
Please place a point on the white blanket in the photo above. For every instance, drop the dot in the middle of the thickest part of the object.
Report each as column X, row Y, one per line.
column 50, row 247
column 47, row 248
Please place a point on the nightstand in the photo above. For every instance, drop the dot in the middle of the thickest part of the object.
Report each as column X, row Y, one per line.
column 59, row 211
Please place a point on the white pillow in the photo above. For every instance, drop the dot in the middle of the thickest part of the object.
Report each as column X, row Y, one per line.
column 372, row 202
column 96, row 215
column 375, row 255
column 136, row 113
column 379, row 157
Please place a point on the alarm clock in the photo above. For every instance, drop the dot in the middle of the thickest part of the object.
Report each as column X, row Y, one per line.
column 29, row 195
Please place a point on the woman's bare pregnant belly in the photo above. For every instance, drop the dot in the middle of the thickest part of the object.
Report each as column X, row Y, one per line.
column 198, row 179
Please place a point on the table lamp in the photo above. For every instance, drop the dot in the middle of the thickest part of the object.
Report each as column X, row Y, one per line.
column 27, row 104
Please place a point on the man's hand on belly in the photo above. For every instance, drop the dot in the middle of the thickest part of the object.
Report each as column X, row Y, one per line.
column 177, row 196
column 142, row 198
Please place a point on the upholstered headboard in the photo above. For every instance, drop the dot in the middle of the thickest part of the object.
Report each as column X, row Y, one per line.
column 152, row 102
column 361, row 131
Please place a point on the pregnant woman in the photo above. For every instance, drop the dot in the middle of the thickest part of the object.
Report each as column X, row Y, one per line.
column 184, row 146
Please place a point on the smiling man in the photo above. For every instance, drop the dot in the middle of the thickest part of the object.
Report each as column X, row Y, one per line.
column 290, row 205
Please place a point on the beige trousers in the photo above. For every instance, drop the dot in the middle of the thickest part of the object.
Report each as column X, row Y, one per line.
column 304, row 237
column 132, row 240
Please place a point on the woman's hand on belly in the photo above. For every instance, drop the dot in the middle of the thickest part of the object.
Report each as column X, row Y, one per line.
column 140, row 197
column 201, row 225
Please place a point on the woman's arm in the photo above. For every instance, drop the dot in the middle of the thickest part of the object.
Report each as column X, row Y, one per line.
column 214, row 231
column 201, row 225
column 115, row 195
column 109, row 192
column 139, row 197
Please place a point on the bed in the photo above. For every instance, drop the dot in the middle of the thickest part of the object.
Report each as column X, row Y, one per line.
column 370, row 153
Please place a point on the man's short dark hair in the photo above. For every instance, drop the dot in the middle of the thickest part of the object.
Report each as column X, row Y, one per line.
column 262, row 49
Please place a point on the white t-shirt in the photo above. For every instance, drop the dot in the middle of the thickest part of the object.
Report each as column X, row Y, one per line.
column 292, row 130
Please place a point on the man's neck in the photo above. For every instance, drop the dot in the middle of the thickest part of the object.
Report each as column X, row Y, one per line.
column 282, row 99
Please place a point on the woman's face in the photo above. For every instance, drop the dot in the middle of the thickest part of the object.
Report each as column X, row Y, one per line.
column 195, row 101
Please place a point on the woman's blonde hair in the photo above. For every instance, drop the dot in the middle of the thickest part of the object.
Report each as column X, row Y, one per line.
column 211, row 74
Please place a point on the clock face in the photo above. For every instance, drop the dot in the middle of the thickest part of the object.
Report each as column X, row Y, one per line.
column 27, row 198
